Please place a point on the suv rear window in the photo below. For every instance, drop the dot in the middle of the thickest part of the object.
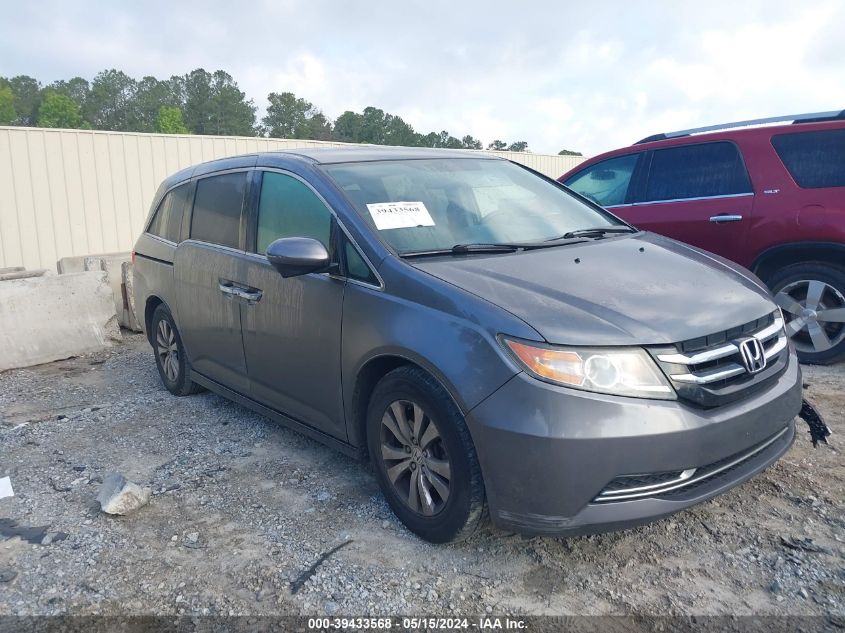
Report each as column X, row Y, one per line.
column 814, row 159
column 167, row 221
column 703, row 170
column 217, row 209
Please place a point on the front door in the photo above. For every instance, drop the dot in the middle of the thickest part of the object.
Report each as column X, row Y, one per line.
column 699, row 194
column 291, row 334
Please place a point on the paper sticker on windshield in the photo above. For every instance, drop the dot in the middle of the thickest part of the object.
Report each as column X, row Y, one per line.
column 399, row 215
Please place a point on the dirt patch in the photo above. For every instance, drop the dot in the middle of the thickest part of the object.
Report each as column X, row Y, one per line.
column 242, row 508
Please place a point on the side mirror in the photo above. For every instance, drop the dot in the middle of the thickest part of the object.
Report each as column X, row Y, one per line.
column 294, row 256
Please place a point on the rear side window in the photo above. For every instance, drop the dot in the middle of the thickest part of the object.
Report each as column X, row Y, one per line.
column 814, row 159
column 167, row 221
column 217, row 209
column 696, row 171
column 606, row 183
column 288, row 208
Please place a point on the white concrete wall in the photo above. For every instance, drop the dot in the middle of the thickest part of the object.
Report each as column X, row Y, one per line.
column 77, row 192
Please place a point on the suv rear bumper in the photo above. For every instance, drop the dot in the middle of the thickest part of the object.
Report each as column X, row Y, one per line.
column 547, row 452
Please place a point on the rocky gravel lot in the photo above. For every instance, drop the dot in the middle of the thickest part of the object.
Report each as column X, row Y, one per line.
column 242, row 508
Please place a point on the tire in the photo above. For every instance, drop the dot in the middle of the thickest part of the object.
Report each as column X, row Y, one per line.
column 171, row 360
column 817, row 329
column 441, row 453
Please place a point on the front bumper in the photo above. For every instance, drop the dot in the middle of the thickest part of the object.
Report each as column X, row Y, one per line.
column 547, row 452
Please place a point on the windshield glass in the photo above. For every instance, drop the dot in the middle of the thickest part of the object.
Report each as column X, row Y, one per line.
column 426, row 205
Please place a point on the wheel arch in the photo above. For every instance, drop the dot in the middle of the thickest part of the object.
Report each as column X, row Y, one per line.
column 783, row 255
column 366, row 379
column 152, row 303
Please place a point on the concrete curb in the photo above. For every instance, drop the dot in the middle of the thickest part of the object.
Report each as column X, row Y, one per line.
column 51, row 317
column 22, row 274
column 77, row 264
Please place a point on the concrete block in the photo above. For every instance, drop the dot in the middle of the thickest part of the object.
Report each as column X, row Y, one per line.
column 48, row 318
column 22, row 274
column 112, row 265
column 11, row 269
column 77, row 264
column 130, row 314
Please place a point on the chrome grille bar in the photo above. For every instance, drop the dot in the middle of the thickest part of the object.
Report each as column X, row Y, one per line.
column 723, row 351
column 702, row 378
column 702, row 357
column 776, row 349
column 730, row 369
column 768, row 332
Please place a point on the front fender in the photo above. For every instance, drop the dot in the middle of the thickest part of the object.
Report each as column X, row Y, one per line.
column 449, row 333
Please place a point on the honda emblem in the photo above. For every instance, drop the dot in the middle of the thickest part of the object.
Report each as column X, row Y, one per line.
column 753, row 356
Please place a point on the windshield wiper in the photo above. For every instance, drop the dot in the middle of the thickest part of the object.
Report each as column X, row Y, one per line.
column 502, row 247
column 479, row 248
column 464, row 249
column 598, row 231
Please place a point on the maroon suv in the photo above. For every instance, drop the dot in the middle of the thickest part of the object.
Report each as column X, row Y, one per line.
column 770, row 197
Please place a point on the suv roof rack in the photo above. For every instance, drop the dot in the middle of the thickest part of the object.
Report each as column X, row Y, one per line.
column 812, row 117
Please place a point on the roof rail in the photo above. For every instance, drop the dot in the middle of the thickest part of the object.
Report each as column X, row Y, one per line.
column 813, row 117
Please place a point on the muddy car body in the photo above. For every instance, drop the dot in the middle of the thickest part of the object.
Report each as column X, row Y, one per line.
column 489, row 339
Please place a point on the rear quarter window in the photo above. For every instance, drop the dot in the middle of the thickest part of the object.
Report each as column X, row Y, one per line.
column 814, row 159
column 167, row 220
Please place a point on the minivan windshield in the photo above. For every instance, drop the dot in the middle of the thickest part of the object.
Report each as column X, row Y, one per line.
column 427, row 205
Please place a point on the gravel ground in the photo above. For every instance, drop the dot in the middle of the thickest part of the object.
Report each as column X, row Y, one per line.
column 242, row 507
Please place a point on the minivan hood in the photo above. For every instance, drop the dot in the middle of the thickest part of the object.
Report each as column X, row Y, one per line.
column 631, row 290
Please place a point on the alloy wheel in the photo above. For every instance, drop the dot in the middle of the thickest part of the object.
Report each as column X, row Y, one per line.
column 167, row 350
column 815, row 315
column 415, row 457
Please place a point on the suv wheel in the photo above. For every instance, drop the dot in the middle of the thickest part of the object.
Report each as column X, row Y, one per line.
column 172, row 363
column 424, row 458
column 812, row 296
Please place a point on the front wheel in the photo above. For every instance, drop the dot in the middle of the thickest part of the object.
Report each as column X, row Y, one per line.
column 812, row 297
column 424, row 458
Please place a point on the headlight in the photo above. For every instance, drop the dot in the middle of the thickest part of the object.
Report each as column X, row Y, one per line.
column 622, row 371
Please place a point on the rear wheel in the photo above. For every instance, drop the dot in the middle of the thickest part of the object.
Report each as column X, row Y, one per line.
column 812, row 297
column 424, row 458
column 173, row 366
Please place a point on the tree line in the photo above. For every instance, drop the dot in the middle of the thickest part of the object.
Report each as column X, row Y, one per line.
column 202, row 102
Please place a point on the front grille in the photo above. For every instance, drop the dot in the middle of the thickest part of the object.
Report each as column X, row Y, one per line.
column 709, row 371
column 678, row 483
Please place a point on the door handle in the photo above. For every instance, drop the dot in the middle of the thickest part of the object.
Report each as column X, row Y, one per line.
column 228, row 290
column 251, row 295
column 725, row 217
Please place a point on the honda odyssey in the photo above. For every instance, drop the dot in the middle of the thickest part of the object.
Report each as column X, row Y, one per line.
column 493, row 342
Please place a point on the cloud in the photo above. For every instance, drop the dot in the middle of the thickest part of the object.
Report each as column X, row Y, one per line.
column 587, row 77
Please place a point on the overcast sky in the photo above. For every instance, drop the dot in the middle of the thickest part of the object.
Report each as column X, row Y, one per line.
column 588, row 76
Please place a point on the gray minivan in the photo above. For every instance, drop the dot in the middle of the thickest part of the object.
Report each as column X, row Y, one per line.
column 492, row 341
